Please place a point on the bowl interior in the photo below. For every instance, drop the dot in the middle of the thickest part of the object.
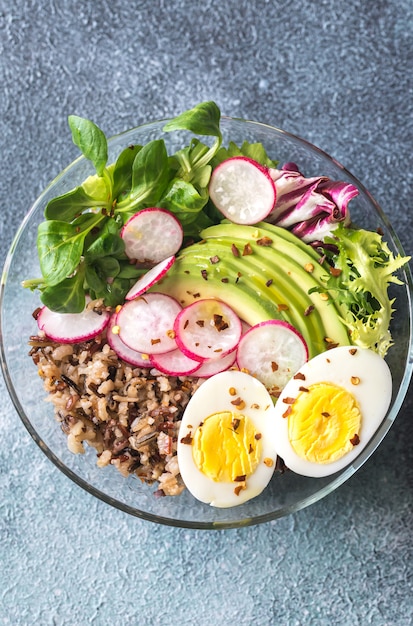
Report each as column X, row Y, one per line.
column 286, row 493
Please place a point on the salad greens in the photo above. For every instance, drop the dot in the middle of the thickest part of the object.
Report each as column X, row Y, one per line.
column 79, row 244
column 81, row 250
column 363, row 268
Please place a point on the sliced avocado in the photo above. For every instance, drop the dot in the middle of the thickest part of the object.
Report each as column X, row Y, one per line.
column 271, row 280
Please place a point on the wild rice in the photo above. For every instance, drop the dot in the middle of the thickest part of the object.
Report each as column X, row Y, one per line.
column 130, row 415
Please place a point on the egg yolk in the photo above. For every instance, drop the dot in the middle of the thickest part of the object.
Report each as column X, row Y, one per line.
column 324, row 423
column 226, row 447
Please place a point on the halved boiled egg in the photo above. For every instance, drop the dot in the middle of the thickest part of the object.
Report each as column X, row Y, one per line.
column 328, row 412
column 226, row 439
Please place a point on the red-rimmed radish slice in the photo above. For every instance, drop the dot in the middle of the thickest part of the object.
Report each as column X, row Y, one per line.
column 122, row 350
column 272, row 351
column 207, row 329
column 175, row 363
column 152, row 235
column 216, row 366
column 242, row 190
column 72, row 327
column 146, row 323
column 151, row 277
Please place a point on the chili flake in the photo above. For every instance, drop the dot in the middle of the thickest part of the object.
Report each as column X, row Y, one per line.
column 200, row 323
column 240, row 479
column 234, row 250
column 204, row 274
column 269, row 282
column 264, row 241
column 335, row 271
column 247, row 249
column 219, row 322
column 187, row 439
column 355, row 440
column 299, row 376
column 214, row 259
column 309, row 310
column 274, row 366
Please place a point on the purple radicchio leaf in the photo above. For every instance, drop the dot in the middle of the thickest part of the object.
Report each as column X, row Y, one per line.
column 289, row 188
column 311, row 205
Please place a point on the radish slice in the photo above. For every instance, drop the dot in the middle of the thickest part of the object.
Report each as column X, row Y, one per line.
column 122, row 350
column 152, row 235
column 273, row 352
column 72, row 327
column 146, row 323
column 216, row 366
column 207, row 329
column 242, row 190
column 151, row 277
column 175, row 363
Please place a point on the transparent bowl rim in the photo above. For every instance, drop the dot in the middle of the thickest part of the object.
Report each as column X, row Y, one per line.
column 300, row 504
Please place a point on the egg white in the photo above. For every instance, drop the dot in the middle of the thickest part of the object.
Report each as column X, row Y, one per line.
column 213, row 397
column 337, row 366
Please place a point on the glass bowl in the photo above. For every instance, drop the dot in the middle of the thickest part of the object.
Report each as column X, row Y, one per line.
column 287, row 492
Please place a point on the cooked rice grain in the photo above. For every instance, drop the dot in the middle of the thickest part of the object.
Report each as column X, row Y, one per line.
column 130, row 415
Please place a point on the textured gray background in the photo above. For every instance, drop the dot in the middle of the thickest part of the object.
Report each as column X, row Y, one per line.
column 340, row 75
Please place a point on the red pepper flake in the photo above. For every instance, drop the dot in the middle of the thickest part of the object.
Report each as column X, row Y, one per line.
column 239, row 403
column 187, row 272
column 269, row 282
column 154, row 341
column 274, row 366
column 214, row 259
column 247, row 249
column 330, row 346
column 240, row 479
column 335, row 271
column 196, row 295
column 257, row 436
column 218, row 350
column 305, row 389
column 187, row 439
column 186, row 324
column 238, row 489
column 325, row 414
column 309, row 310
column 288, row 400
column 204, row 274
column 224, row 280
column 353, row 351
column 282, row 307
column 235, row 424
column 287, row 412
column 275, row 393
column 234, row 250
column 355, row 440
column 299, row 376
column 264, row 241
column 219, row 322
column 200, row 323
